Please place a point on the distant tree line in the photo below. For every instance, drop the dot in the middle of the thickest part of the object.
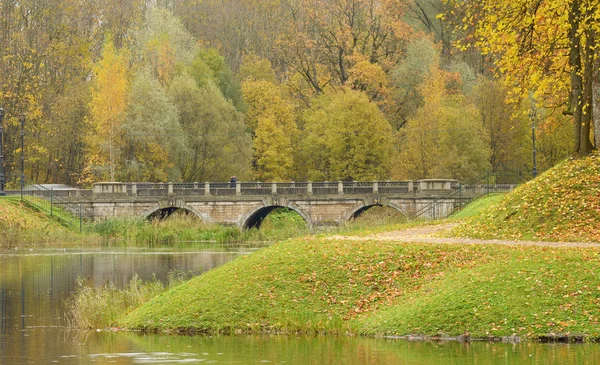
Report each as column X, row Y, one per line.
column 279, row 90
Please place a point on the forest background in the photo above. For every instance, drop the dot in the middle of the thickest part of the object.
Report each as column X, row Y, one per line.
column 279, row 90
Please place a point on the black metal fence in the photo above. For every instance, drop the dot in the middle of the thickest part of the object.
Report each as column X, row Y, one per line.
column 56, row 204
column 501, row 181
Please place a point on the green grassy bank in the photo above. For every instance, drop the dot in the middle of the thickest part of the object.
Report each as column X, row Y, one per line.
column 22, row 226
column 563, row 204
column 315, row 285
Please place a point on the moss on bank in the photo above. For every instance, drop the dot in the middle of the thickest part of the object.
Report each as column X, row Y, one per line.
column 383, row 288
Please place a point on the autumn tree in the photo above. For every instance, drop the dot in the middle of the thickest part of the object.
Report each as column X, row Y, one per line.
column 325, row 40
column 163, row 43
column 235, row 27
column 408, row 78
column 507, row 126
column 107, row 111
column 270, row 117
column 545, row 46
column 346, row 138
column 445, row 138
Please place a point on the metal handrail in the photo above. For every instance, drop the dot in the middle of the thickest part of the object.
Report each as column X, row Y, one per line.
column 44, row 199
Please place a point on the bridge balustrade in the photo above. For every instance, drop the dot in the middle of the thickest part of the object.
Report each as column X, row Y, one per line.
column 395, row 187
column 358, row 187
column 325, row 188
column 221, row 189
column 255, row 188
column 292, row 188
column 189, row 189
column 271, row 188
column 148, row 189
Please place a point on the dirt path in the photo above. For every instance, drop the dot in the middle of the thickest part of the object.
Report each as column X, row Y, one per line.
column 430, row 234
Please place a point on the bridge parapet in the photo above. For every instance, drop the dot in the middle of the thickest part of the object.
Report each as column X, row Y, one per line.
column 270, row 188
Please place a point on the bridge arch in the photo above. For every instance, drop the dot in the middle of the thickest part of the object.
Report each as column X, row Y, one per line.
column 255, row 217
column 357, row 211
column 163, row 212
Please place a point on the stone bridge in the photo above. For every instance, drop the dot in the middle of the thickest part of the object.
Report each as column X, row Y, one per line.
column 248, row 203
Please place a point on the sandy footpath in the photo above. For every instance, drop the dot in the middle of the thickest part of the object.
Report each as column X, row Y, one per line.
column 430, row 234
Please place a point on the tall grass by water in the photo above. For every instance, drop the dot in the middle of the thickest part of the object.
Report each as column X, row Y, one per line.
column 95, row 307
column 184, row 230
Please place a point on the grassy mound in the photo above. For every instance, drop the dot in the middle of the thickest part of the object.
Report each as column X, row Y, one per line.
column 305, row 285
column 378, row 288
column 477, row 206
column 562, row 204
column 23, row 226
column 534, row 293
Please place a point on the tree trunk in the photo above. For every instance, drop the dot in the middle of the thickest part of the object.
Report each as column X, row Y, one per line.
column 576, row 75
column 586, row 146
column 596, row 106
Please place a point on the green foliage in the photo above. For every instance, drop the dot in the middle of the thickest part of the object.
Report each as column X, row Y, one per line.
column 152, row 134
column 222, row 76
column 346, row 138
column 561, row 204
column 164, row 44
column 216, row 137
column 408, row 78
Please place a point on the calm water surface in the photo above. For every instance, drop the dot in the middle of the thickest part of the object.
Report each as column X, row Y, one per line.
column 34, row 284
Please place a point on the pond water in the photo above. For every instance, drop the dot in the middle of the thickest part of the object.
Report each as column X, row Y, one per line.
column 34, row 285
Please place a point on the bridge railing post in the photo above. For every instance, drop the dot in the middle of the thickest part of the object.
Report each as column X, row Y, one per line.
column 170, row 188
column 375, row 187
column 207, row 188
column 411, row 187
column 238, row 188
column 134, row 189
column 309, row 188
column 274, row 188
column 340, row 187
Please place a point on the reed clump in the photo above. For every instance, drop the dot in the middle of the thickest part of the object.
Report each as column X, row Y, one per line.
column 96, row 307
